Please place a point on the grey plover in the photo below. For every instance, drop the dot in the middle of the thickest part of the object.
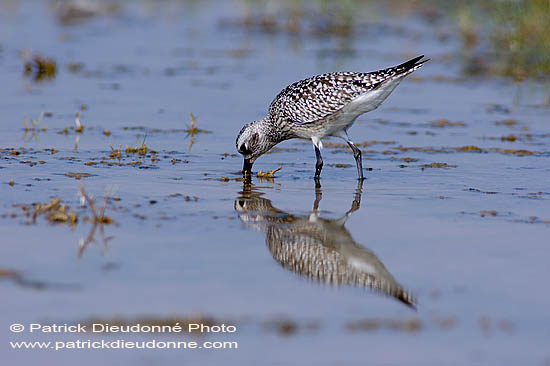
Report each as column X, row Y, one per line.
column 318, row 248
column 318, row 107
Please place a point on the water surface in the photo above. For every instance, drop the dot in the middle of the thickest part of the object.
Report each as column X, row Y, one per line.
column 465, row 238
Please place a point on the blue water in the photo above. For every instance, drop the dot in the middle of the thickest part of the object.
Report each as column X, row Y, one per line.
column 181, row 258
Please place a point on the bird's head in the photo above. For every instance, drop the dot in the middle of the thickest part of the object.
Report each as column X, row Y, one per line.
column 255, row 139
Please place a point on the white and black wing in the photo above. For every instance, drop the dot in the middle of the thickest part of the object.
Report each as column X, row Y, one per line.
column 317, row 97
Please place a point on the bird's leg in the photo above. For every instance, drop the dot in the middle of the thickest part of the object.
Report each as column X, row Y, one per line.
column 318, row 195
column 319, row 163
column 358, row 159
column 247, row 167
column 247, row 178
column 356, row 198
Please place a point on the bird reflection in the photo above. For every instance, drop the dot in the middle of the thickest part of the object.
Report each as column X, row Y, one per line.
column 318, row 248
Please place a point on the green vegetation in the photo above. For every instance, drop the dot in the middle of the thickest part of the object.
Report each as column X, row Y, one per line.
column 506, row 38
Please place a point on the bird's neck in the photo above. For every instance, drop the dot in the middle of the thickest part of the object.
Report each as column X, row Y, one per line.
column 278, row 131
column 272, row 131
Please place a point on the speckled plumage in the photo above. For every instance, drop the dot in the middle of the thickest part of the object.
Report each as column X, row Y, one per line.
column 321, row 106
column 318, row 97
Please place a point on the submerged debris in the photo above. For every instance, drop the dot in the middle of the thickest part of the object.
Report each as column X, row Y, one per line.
column 72, row 12
column 40, row 68
column 192, row 130
column 507, row 122
column 340, row 165
column 75, row 67
column 283, row 326
column 446, row 123
column 54, row 212
column 119, row 154
column 78, row 176
column 406, row 325
column 437, row 165
column 115, row 153
column 468, row 148
column 338, row 145
column 515, row 152
column 406, row 159
column 510, row 138
column 98, row 220
column 269, row 174
column 488, row 213
column 21, row 280
column 79, row 127
column 58, row 213
column 480, row 191
column 33, row 127
column 140, row 149
column 445, row 322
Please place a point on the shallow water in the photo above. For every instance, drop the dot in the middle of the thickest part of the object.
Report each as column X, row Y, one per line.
column 469, row 241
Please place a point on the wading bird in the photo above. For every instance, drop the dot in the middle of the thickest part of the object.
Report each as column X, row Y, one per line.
column 318, row 107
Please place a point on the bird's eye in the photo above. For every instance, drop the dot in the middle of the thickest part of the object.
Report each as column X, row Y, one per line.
column 243, row 150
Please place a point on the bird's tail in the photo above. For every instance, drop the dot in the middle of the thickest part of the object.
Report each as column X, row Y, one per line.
column 411, row 65
column 393, row 75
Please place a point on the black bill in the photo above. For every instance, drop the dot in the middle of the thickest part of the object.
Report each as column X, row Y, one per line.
column 247, row 167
